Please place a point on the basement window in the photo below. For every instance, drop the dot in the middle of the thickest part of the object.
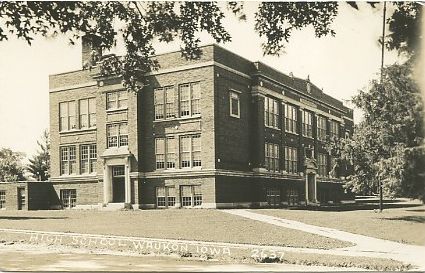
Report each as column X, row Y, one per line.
column 2, row 199
column 68, row 198
column 191, row 196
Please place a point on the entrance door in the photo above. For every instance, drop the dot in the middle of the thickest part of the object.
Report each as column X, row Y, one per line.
column 273, row 197
column 21, row 198
column 311, row 180
column 118, row 189
column 118, row 184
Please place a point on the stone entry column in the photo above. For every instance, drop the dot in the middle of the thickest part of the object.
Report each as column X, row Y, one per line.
column 310, row 181
column 127, row 182
column 311, row 190
column 107, row 185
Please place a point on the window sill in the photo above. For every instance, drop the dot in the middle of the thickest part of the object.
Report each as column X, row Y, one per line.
column 309, row 137
column 116, row 147
column 293, row 133
column 271, row 127
column 235, row 116
column 166, row 170
column 177, row 119
column 179, row 169
column 77, row 131
column 116, row 110
column 285, row 172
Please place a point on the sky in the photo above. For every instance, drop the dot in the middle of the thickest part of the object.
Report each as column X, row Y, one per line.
column 341, row 65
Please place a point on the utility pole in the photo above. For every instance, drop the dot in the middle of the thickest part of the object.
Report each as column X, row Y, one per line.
column 382, row 86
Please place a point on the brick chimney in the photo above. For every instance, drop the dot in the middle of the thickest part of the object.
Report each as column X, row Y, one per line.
column 90, row 52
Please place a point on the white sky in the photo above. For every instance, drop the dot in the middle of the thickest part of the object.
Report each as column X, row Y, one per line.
column 341, row 65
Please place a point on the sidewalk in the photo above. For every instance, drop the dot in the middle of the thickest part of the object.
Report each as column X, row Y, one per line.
column 365, row 246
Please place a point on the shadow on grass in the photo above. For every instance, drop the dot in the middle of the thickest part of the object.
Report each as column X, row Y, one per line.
column 28, row 217
column 410, row 218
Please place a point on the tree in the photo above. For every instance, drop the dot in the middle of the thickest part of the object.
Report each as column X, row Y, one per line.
column 39, row 165
column 388, row 145
column 11, row 169
column 142, row 23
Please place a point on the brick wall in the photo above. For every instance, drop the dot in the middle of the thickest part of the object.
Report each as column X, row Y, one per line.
column 178, row 126
column 232, row 135
column 148, row 188
column 77, row 138
column 87, row 193
column 11, row 191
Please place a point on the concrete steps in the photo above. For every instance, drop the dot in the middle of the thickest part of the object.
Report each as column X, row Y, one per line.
column 114, row 207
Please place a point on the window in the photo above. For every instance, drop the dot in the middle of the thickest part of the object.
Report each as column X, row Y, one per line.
column 165, row 197
column 2, row 199
column 334, row 129
column 190, row 97
column 190, row 151
column 165, row 153
column 117, row 100
column 197, row 196
column 291, row 160
column 322, row 162
column 321, row 128
column 307, row 124
column 290, row 119
column 67, row 116
column 68, row 160
column 196, row 150
column 118, row 171
column 88, row 158
column 159, row 103
column 272, row 157
column 160, row 153
column 169, row 102
column 117, row 135
column 68, row 198
column 273, row 196
column 164, row 103
column 293, row 196
column 191, row 196
column 195, row 89
column 234, row 105
column 185, row 151
column 171, row 156
column 87, row 113
column 271, row 112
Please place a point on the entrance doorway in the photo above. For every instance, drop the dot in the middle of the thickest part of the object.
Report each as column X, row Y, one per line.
column 118, row 184
column 273, row 197
column 21, row 198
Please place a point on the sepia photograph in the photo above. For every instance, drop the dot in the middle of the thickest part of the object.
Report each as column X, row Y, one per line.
column 197, row 136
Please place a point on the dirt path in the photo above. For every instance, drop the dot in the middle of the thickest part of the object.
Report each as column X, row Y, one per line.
column 365, row 245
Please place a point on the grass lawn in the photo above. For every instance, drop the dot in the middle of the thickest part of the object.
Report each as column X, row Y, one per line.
column 202, row 225
column 405, row 225
column 376, row 264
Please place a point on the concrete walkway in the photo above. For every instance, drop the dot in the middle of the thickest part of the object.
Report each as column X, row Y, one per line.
column 365, row 246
